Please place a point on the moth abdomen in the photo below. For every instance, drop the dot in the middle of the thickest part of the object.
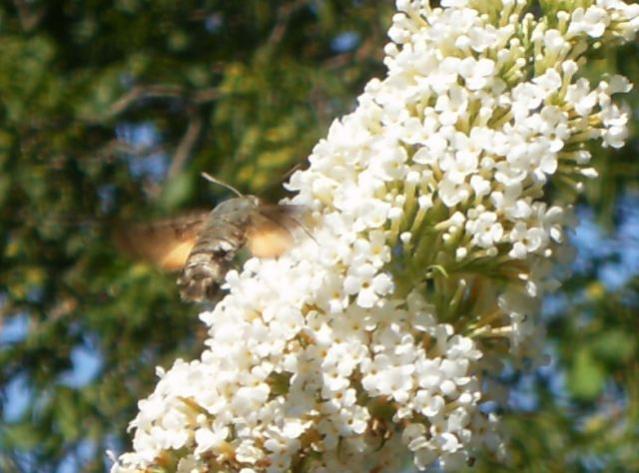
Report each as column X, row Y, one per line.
column 200, row 280
column 208, row 263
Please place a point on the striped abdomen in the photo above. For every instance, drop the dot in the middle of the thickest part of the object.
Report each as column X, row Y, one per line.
column 211, row 257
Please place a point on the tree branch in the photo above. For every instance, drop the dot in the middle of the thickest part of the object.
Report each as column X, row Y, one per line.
column 140, row 92
column 184, row 148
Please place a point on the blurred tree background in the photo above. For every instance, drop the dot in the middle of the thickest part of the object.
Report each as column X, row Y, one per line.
column 109, row 111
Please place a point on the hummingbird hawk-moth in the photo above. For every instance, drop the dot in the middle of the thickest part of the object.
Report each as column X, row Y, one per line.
column 203, row 245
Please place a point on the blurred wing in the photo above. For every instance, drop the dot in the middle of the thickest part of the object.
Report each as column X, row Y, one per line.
column 166, row 243
column 270, row 231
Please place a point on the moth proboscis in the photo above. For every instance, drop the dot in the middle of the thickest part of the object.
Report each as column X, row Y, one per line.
column 202, row 245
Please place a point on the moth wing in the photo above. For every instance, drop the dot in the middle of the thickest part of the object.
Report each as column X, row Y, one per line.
column 270, row 231
column 165, row 243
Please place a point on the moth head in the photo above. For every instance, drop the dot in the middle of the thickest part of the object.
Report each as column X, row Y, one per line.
column 244, row 205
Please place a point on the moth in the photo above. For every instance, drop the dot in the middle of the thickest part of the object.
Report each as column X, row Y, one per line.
column 203, row 245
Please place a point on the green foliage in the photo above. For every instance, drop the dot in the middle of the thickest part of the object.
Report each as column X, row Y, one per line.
column 109, row 111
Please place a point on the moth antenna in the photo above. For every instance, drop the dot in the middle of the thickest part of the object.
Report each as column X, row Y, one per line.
column 290, row 172
column 210, row 178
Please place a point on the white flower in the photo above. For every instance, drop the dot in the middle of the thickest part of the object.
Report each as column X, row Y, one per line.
column 206, row 439
column 477, row 74
column 429, row 221
column 592, row 21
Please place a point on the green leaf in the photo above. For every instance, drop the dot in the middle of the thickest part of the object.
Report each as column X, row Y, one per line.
column 21, row 435
column 586, row 378
column 177, row 191
column 615, row 346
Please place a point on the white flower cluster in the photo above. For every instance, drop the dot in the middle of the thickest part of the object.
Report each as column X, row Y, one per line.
column 430, row 234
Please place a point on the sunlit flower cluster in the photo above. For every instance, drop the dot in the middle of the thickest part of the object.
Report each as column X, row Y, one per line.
column 432, row 244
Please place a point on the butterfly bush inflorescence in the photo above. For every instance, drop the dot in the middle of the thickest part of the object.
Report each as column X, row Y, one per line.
column 433, row 245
